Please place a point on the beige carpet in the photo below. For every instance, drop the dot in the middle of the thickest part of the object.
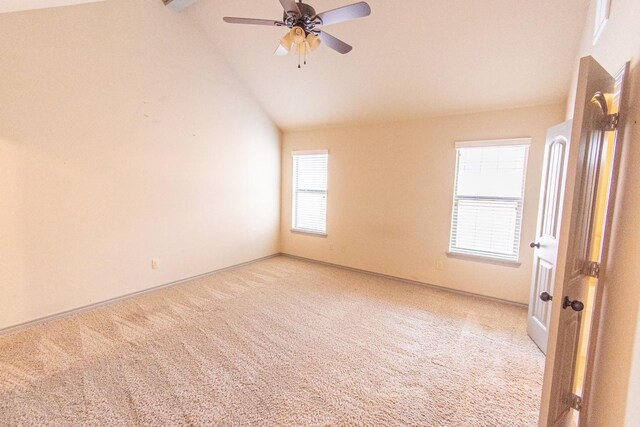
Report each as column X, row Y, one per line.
column 280, row 342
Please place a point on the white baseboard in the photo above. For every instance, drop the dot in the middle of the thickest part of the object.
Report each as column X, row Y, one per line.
column 30, row 323
column 413, row 282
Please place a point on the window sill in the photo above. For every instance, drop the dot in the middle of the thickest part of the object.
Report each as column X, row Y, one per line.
column 484, row 259
column 310, row 232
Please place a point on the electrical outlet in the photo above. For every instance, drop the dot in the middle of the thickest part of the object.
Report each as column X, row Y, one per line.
column 331, row 247
column 343, row 249
column 439, row 265
column 155, row 264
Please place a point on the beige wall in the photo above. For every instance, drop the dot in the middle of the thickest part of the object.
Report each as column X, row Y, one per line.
column 616, row 391
column 123, row 137
column 390, row 198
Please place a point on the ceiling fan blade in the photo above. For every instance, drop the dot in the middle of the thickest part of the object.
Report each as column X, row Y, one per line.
column 269, row 22
column 334, row 43
column 290, row 6
column 345, row 13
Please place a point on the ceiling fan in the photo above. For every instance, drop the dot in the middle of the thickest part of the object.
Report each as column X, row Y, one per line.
column 304, row 25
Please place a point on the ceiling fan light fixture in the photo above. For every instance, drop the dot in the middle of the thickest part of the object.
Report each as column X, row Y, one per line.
column 286, row 42
column 281, row 51
column 304, row 26
column 297, row 35
column 313, row 41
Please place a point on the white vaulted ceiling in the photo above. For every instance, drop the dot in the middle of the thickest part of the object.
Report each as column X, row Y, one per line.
column 413, row 58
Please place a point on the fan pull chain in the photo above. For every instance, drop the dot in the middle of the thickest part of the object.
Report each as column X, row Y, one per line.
column 299, row 58
column 306, row 48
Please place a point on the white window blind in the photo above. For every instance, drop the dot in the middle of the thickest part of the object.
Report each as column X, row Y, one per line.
column 488, row 198
column 310, row 191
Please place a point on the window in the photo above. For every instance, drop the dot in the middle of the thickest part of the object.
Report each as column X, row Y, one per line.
column 488, row 198
column 310, row 191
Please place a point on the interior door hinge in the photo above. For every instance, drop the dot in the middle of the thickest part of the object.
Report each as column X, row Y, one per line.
column 610, row 122
column 592, row 268
column 575, row 402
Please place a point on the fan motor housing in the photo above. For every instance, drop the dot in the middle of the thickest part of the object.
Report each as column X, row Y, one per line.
column 308, row 13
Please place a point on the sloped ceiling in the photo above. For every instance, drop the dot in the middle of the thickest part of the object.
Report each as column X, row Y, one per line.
column 20, row 5
column 413, row 58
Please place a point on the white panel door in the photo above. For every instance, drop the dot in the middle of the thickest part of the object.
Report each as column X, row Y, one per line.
column 545, row 245
column 591, row 118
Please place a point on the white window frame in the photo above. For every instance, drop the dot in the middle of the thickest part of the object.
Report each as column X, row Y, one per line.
column 481, row 255
column 295, row 191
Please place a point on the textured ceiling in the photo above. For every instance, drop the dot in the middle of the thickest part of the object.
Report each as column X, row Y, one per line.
column 413, row 58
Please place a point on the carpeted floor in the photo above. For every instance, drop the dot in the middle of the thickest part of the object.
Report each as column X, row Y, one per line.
column 281, row 342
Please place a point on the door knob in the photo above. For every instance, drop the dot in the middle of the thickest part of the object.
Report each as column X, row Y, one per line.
column 546, row 297
column 575, row 305
column 534, row 245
